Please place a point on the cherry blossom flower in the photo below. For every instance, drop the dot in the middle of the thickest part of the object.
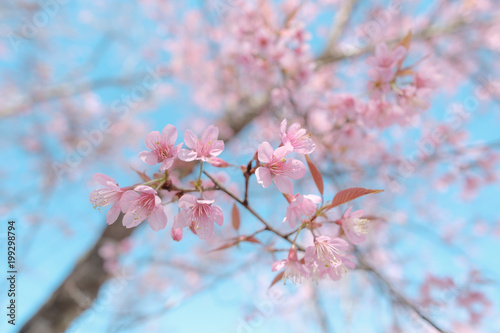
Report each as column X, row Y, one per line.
column 163, row 149
column 109, row 195
column 176, row 234
column 198, row 214
column 277, row 169
column 140, row 204
column 300, row 205
column 355, row 228
column 327, row 257
column 385, row 62
column 294, row 270
column 202, row 149
column 297, row 137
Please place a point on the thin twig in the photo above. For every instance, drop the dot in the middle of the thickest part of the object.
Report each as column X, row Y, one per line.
column 252, row 211
column 399, row 296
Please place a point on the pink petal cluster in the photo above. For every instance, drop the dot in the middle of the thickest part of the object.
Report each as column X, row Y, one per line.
column 277, row 168
column 385, row 62
column 327, row 257
column 198, row 214
column 205, row 148
column 109, row 195
column 297, row 137
column 354, row 227
column 294, row 270
column 300, row 206
column 163, row 149
column 140, row 204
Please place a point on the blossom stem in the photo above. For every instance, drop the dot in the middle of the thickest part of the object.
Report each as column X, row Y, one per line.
column 297, row 234
column 201, row 171
column 398, row 296
column 160, row 184
column 152, row 181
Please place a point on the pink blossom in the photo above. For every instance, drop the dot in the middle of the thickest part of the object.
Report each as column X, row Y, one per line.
column 198, row 214
column 385, row 62
column 163, row 149
column 476, row 303
column 202, row 149
column 378, row 87
column 327, row 257
column 342, row 105
column 301, row 205
column 294, row 270
column 109, row 195
column 140, row 204
column 176, row 234
column 277, row 169
column 355, row 228
column 413, row 99
column 297, row 137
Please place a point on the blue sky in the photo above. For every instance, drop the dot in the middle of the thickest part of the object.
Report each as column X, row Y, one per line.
column 44, row 260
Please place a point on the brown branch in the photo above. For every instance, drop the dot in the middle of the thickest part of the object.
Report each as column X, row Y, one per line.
column 253, row 212
column 71, row 89
column 331, row 55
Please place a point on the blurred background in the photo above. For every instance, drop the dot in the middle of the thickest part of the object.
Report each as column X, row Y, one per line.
column 83, row 83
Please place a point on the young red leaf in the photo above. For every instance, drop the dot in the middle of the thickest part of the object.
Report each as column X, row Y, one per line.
column 235, row 214
column 350, row 194
column 318, row 178
column 252, row 239
column 405, row 42
column 277, row 278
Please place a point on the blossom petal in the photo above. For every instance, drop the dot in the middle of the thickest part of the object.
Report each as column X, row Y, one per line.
column 158, row 219
column 217, row 148
column 263, row 176
column 103, row 179
column 113, row 213
column 127, row 199
column 217, row 215
column 187, row 201
column 352, row 236
column 278, row 265
column 284, row 137
column 145, row 189
column 153, row 139
column 283, row 151
column 167, row 164
column 176, row 234
column 314, row 198
column 190, row 139
column 181, row 220
column 187, row 155
column 265, row 152
column 148, row 157
column 205, row 229
column 210, row 134
column 284, row 184
column 170, row 133
column 133, row 219
column 295, row 169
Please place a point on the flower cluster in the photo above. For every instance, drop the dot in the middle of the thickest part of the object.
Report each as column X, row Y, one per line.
column 278, row 169
column 327, row 257
column 143, row 202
